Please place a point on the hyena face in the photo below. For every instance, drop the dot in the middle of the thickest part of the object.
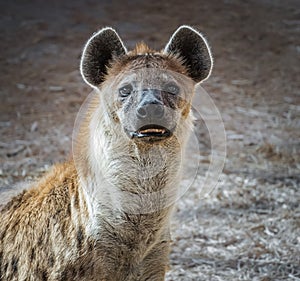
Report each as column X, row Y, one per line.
column 152, row 102
column 148, row 93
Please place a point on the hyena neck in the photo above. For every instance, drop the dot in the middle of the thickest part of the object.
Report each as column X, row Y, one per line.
column 126, row 178
column 136, row 175
column 121, row 178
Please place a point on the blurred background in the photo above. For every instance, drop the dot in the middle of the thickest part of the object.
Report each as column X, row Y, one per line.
column 249, row 227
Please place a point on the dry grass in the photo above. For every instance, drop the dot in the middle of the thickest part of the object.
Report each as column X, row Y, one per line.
column 247, row 230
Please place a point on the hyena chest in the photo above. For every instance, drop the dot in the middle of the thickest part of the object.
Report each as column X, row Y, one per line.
column 121, row 252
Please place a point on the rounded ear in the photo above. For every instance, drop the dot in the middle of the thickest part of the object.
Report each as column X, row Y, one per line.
column 99, row 50
column 191, row 46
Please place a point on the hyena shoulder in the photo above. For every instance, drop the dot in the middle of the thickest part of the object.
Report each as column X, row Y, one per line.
column 55, row 187
column 25, row 240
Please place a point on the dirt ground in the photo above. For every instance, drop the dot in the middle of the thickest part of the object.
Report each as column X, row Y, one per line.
column 249, row 226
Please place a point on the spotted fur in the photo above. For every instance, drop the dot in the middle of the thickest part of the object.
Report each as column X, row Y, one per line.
column 70, row 225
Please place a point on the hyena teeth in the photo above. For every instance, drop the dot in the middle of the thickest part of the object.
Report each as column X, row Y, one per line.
column 151, row 131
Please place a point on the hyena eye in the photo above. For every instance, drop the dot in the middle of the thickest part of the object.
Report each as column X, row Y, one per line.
column 171, row 88
column 125, row 91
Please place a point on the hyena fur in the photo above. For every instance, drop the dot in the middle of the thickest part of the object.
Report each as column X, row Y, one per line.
column 99, row 216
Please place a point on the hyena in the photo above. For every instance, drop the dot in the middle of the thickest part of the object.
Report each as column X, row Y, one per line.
column 105, row 214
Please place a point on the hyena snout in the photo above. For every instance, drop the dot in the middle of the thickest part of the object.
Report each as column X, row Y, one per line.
column 151, row 106
column 153, row 119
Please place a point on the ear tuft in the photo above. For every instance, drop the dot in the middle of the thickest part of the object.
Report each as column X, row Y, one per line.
column 191, row 46
column 98, row 52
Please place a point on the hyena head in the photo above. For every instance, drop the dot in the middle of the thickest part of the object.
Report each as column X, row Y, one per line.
column 134, row 134
column 147, row 94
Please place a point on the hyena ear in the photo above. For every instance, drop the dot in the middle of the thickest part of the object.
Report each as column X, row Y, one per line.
column 98, row 52
column 191, row 46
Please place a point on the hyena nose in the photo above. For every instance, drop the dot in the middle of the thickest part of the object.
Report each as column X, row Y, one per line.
column 151, row 105
column 150, row 111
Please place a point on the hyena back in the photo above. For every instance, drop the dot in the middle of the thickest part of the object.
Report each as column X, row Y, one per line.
column 105, row 214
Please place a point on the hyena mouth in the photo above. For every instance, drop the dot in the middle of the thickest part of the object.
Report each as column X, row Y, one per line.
column 154, row 132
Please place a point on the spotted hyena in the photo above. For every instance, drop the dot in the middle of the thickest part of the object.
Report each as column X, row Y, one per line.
column 105, row 214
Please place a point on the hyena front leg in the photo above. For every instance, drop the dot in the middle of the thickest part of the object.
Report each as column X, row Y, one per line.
column 155, row 264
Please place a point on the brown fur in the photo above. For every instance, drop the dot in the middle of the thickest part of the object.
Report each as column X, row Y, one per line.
column 143, row 56
column 41, row 241
column 51, row 246
column 59, row 230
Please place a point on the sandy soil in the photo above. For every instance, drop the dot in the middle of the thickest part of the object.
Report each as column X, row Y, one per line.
column 249, row 227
